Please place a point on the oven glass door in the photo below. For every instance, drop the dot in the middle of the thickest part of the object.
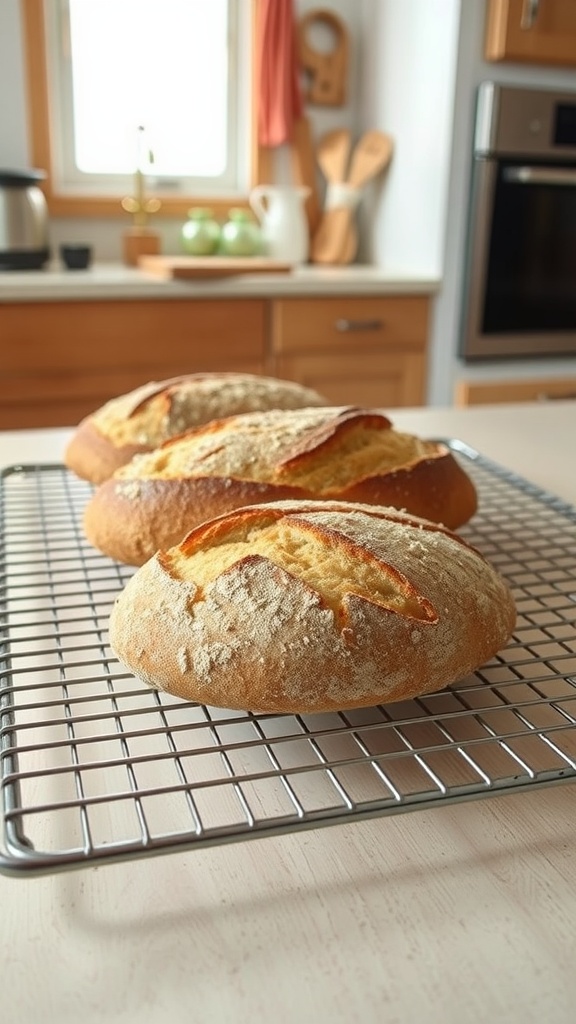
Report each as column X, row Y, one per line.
column 531, row 267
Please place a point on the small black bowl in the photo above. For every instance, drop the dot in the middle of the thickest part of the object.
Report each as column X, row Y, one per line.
column 76, row 257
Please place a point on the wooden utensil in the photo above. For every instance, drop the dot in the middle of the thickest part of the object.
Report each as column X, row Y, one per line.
column 371, row 155
column 331, row 235
column 333, row 153
column 336, row 240
column 304, row 169
column 328, row 71
column 350, row 245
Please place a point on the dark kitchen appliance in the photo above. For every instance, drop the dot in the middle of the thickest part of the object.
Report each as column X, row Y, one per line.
column 23, row 221
column 520, row 280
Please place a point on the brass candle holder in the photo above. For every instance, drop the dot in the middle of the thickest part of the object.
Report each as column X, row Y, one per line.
column 139, row 240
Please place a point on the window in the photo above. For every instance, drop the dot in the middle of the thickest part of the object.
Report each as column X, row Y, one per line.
column 160, row 86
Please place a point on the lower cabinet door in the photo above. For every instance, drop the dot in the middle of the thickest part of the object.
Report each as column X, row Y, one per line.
column 367, row 379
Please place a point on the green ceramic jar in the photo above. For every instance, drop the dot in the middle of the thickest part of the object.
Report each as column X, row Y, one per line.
column 240, row 236
column 200, row 234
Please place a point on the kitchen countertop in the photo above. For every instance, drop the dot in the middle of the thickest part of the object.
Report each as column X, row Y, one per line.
column 115, row 281
column 462, row 913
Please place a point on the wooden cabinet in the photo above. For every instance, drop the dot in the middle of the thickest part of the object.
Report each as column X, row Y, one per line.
column 531, row 31
column 61, row 360
column 534, row 390
column 362, row 350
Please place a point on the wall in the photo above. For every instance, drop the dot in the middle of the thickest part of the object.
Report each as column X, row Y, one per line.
column 409, row 67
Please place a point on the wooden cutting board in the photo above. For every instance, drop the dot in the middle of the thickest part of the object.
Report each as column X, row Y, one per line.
column 191, row 267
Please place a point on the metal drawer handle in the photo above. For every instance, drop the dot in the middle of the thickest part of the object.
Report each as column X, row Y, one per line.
column 347, row 326
column 543, row 396
column 529, row 14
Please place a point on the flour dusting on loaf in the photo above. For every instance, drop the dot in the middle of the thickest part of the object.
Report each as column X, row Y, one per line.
column 151, row 414
column 279, row 445
column 339, row 452
column 157, row 411
column 298, row 606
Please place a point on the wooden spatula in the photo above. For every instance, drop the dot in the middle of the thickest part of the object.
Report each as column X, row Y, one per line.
column 371, row 155
column 332, row 154
column 336, row 239
column 328, row 242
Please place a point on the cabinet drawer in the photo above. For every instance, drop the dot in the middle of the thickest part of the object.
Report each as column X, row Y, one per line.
column 61, row 360
column 86, row 336
column 325, row 325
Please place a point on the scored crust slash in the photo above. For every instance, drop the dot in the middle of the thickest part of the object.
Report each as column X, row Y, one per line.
column 142, row 419
column 336, row 453
column 311, row 606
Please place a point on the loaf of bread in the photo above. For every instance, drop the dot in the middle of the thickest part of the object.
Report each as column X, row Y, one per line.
column 143, row 419
column 316, row 453
column 311, row 606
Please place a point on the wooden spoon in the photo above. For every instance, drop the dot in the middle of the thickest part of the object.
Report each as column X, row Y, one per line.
column 333, row 153
column 350, row 244
column 336, row 240
column 371, row 155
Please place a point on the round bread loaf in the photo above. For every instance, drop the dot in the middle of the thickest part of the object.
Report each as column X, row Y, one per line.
column 146, row 417
column 326, row 453
column 311, row 606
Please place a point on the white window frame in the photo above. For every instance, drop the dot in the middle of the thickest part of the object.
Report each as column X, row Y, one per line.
column 68, row 180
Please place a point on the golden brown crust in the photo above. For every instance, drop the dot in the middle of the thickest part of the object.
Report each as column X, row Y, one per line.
column 311, row 606
column 435, row 488
column 91, row 456
column 131, row 521
column 312, row 454
column 140, row 420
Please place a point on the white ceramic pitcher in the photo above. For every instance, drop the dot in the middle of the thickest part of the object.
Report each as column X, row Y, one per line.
column 280, row 210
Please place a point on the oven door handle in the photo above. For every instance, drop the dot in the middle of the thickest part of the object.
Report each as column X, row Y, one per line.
column 539, row 176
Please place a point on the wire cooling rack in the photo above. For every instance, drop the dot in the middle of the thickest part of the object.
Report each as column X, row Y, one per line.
column 97, row 768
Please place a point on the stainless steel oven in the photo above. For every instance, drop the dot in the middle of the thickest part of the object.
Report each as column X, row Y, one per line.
column 520, row 278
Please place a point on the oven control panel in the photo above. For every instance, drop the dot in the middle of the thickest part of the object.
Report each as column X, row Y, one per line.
column 525, row 122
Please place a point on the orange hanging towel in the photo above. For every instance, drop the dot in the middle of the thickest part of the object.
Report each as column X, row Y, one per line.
column 280, row 98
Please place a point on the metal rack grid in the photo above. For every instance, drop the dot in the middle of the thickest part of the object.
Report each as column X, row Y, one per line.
column 97, row 768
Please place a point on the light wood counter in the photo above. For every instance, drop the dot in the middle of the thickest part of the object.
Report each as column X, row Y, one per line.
column 455, row 915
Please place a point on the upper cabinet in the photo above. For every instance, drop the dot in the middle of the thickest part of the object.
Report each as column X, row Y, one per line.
column 531, row 31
